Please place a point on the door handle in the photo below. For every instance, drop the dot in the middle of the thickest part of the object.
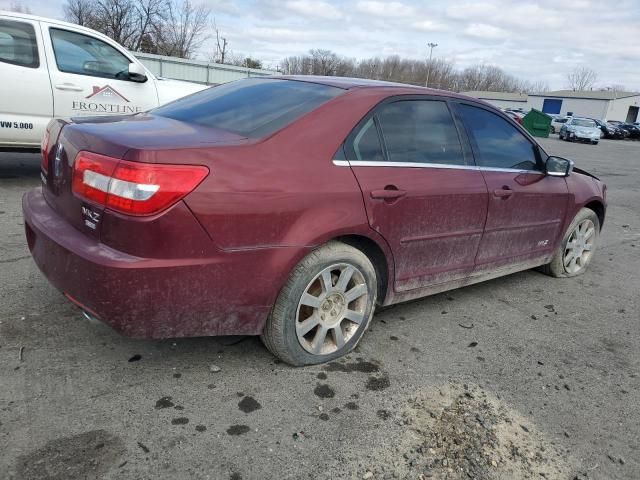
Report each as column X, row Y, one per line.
column 504, row 192
column 388, row 194
column 68, row 86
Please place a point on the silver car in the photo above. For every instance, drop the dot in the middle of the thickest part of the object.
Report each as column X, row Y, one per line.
column 557, row 121
column 577, row 128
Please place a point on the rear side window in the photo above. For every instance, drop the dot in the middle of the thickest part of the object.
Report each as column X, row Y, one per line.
column 85, row 55
column 366, row 143
column 420, row 131
column 251, row 108
column 18, row 44
column 498, row 143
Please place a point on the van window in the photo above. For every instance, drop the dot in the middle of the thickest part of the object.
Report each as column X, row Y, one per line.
column 252, row 108
column 85, row 55
column 18, row 44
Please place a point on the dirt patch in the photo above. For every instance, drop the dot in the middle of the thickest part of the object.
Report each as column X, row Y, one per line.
column 88, row 455
column 459, row 432
column 359, row 366
column 249, row 404
column 324, row 391
column 377, row 383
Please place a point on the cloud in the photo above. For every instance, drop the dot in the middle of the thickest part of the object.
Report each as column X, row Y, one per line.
column 534, row 40
column 310, row 8
column 384, row 9
column 485, row 31
column 428, row 26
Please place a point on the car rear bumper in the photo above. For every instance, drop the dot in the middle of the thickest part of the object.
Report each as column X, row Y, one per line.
column 584, row 136
column 151, row 298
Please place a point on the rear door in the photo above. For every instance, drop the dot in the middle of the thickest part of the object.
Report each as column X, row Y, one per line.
column 89, row 76
column 526, row 207
column 26, row 103
column 421, row 191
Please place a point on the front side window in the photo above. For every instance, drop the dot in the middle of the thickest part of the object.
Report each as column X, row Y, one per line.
column 498, row 143
column 85, row 55
column 18, row 44
column 254, row 107
column 420, row 131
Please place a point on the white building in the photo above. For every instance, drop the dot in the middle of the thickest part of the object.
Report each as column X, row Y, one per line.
column 502, row 99
column 603, row 105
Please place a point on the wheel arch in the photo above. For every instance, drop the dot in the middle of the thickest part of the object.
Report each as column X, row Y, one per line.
column 598, row 207
column 381, row 260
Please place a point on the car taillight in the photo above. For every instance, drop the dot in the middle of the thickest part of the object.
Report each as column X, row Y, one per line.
column 44, row 147
column 133, row 188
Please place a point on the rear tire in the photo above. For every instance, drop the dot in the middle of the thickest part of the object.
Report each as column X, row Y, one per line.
column 577, row 247
column 324, row 308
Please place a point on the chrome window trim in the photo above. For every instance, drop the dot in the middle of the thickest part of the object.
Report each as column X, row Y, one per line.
column 364, row 163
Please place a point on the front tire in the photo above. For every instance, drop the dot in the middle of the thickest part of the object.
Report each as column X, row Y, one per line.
column 577, row 247
column 324, row 308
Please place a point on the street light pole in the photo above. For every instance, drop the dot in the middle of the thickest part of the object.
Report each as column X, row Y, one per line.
column 431, row 47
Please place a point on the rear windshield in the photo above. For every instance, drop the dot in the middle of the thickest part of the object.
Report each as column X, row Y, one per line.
column 580, row 122
column 252, row 107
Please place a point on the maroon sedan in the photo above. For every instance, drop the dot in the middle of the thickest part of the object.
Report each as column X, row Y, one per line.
column 289, row 207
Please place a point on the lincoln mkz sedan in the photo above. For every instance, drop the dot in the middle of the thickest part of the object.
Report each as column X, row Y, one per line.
column 290, row 207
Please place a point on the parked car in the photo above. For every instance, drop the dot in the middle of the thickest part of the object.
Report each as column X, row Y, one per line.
column 580, row 129
column 289, row 207
column 57, row 69
column 515, row 115
column 618, row 133
column 607, row 130
column 633, row 130
column 557, row 121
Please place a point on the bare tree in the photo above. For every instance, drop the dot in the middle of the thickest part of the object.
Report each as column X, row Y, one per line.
column 19, row 8
column 581, row 78
column 168, row 27
column 150, row 13
column 222, row 53
column 118, row 20
column 184, row 29
column 442, row 73
column 82, row 12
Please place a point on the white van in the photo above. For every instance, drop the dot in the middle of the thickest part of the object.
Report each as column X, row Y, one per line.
column 53, row 69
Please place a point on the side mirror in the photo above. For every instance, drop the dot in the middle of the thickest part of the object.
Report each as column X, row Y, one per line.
column 558, row 167
column 137, row 73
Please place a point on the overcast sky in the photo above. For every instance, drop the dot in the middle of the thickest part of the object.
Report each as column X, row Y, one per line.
column 534, row 40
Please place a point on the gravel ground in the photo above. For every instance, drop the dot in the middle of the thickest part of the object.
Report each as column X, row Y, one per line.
column 520, row 377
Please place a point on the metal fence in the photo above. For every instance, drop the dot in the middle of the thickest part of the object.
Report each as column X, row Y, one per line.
column 196, row 70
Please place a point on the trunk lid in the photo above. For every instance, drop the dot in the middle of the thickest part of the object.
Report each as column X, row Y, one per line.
column 116, row 137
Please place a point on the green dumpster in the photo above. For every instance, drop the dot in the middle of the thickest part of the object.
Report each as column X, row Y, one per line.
column 537, row 123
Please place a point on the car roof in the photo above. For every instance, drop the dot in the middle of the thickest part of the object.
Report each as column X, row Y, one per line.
column 350, row 83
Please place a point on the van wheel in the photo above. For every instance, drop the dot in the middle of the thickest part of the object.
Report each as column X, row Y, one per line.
column 577, row 247
column 324, row 308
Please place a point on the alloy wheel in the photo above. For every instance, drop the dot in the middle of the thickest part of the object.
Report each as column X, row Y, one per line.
column 579, row 247
column 331, row 309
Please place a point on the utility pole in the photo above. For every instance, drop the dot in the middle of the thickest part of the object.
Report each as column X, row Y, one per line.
column 431, row 47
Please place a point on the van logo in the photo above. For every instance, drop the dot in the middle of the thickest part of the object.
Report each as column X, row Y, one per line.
column 105, row 99
column 106, row 93
column 57, row 161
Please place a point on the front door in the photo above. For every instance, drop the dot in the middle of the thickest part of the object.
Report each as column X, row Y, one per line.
column 526, row 207
column 421, row 191
column 26, row 104
column 90, row 76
